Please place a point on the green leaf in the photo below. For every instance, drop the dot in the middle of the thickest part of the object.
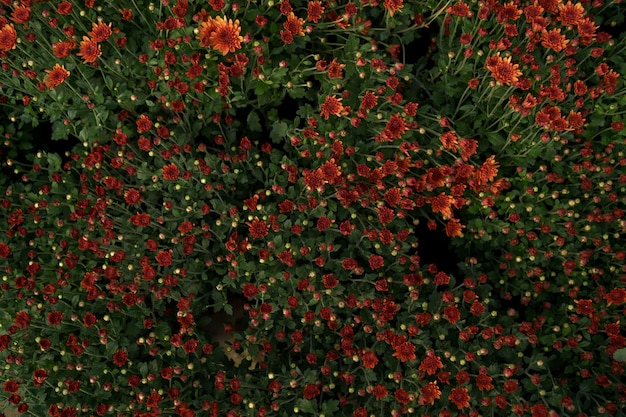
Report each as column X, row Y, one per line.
column 620, row 355
column 279, row 132
column 254, row 122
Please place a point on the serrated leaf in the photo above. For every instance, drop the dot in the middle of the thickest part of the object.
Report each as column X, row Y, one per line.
column 279, row 132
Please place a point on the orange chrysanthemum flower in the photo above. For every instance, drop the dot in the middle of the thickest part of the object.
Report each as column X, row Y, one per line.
column 554, row 40
column 8, row 37
column 225, row 35
column 204, row 32
column 89, row 50
column 57, row 75
column 294, row 25
column 430, row 392
column 62, row 49
column 454, row 228
column 487, row 172
column 460, row 397
column 503, row 70
column 571, row 14
column 393, row 6
column 100, row 32
column 21, row 14
column 441, row 204
column 315, row 10
column 335, row 69
column 332, row 105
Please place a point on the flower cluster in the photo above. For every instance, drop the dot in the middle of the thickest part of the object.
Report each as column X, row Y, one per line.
column 236, row 231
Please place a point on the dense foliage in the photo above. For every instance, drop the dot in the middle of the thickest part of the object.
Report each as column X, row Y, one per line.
column 274, row 161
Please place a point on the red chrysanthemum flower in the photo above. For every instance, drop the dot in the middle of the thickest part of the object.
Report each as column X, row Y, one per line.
column 56, row 76
column 55, row 318
column 39, row 377
column 483, row 381
column 225, row 36
column 369, row 358
column 120, row 357
column 5, row 250
column 395, row 127
column 315, row 10
column 393, row 196
column 393, row 6
column 402, row 396
column 132, row 196
column 8, row 37
column 376, row 262
column 616, row 296
column 311, row 391
column 330, row 171
column 258, row 228
column 313, row 179
column 430, row 392
column 452, row 314
column 332, row 106
column 460, row 397
column 323, row 223
column 89, row 50
column 379, row 392
column 385, row 214
column 503, row 70
column 100, row 32
column 369, row 100
column 404, row 351
column 171, row 172
column 11, row 386
column 64, row 8
column 89, row 320
column 143, row 123
column 164, row 258
column 431, row 363
column 585, row 307
column 140, row 219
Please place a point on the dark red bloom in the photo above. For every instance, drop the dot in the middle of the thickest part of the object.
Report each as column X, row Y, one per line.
column 120, row 357
column 311, row 391
column 258, row 228
column 164, row 258
column 55, row 318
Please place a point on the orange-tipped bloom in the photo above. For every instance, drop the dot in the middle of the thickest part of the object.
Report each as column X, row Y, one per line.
column 56, row 76
column 100, row 32
column 89, row 50
column 225, row 36
column 204, row 32
column 571, row 14
column 8, row 37
column 554, row 40
column 393, row 6
column 294, row 25
column 332, row 105
column 503, row 70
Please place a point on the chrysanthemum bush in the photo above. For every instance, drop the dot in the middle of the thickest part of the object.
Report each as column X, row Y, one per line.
column 284, row 153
